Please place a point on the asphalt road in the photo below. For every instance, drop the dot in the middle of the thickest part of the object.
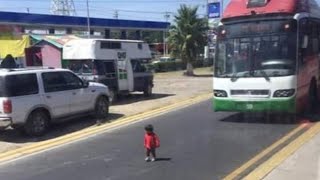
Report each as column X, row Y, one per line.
column 196, row 144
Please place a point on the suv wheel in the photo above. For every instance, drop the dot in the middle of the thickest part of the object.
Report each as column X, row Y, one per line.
column 148, row 90
column 102, row 108
column 37, row 123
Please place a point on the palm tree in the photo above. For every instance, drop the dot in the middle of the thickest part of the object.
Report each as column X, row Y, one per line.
column 187, row 36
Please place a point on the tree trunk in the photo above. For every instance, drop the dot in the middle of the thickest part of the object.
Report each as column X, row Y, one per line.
column 189, row 71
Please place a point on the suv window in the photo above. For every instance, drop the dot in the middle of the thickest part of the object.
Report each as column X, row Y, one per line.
column 21, row 85
column 53, row 81
column 60, row 81
column 72, row 81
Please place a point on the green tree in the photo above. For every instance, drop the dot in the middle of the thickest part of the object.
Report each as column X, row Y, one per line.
column 187, row 36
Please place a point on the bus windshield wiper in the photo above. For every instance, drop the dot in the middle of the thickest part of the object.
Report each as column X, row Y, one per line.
column 235, row 76
column 264, row 74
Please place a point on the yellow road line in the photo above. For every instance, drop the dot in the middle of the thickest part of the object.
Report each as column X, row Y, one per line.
column 262, row 154
column 44, row 145
column 282, row 155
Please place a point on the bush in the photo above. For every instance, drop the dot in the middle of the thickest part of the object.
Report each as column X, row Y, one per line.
column 168, row 66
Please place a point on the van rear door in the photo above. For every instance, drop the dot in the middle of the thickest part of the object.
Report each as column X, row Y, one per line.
column 123, row 80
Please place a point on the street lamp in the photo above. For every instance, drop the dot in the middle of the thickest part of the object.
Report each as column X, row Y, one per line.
column 88, row 19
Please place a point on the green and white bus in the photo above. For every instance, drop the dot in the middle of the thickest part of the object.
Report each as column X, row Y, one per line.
column 267, row 57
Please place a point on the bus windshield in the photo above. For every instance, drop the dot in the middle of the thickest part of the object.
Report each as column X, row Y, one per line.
column 257, row 55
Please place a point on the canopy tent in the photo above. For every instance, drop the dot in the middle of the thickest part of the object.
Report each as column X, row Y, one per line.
column 15, row 47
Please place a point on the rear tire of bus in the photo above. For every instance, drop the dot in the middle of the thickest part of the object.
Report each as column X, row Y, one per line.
column 312, row 97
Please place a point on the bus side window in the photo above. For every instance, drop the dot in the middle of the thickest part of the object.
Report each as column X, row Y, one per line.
column 303, row 50
column 304, row 43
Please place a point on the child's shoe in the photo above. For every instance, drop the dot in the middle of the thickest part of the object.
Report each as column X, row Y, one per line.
column 153, row 159
column 147, row 159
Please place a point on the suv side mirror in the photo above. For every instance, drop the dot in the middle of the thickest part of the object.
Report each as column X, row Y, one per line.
column 85, row 84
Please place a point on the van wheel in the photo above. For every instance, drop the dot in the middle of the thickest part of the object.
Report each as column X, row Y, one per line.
column 148, row 91
column 312, row 98
column 102, row 108
column 37, row 123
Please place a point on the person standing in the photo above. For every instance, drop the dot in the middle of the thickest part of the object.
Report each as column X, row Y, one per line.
column 151, row 142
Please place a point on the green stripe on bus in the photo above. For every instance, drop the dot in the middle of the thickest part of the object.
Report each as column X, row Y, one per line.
column 273, row 105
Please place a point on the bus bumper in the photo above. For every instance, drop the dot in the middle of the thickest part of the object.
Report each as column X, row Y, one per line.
column 283, row 105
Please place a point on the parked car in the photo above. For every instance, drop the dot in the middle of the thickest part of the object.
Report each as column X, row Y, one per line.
column 164, row 59
column 32, row 99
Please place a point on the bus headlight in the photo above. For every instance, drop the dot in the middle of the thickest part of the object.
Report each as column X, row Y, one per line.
column 220, row 93
column 284, row 93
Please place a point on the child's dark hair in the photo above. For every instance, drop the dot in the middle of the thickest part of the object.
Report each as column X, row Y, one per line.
column 149, row 128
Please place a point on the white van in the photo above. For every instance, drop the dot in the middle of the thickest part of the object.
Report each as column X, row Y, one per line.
column 113, row 62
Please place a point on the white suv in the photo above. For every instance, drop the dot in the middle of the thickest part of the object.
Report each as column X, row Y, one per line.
column 32, row 99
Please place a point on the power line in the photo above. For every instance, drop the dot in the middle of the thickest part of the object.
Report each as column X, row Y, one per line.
column 116, row 14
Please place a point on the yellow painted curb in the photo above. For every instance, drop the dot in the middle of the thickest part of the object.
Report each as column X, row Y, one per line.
column 44, row 145
column 262, row 154
column 265, row 168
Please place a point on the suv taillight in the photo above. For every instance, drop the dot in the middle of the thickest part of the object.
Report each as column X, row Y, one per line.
column 7, row 106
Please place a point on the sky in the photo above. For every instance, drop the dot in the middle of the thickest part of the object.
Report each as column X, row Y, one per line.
column 153, row 10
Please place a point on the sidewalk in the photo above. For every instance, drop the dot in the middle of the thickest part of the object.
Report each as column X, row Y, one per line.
column 303, row 164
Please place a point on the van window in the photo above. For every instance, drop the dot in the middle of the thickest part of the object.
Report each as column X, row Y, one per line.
column 110, row 45
column 137, row 66
column 110, row 69
column 81, row 66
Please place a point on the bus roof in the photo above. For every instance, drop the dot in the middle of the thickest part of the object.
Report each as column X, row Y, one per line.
column 245, row 8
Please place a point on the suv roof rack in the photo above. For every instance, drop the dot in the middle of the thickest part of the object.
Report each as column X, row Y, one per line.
column 25, row 69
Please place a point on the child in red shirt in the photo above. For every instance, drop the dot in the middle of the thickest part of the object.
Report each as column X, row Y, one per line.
column 151, row 142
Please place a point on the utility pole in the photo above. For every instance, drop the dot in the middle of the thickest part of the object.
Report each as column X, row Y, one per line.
column 165, row 49
column 88, row 19
column 116, row 14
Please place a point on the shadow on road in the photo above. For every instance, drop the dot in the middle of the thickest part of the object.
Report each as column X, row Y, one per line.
column 132, row 98
column 56, row 130
column 268, row 118
column 203, row 75
column 163, row 159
